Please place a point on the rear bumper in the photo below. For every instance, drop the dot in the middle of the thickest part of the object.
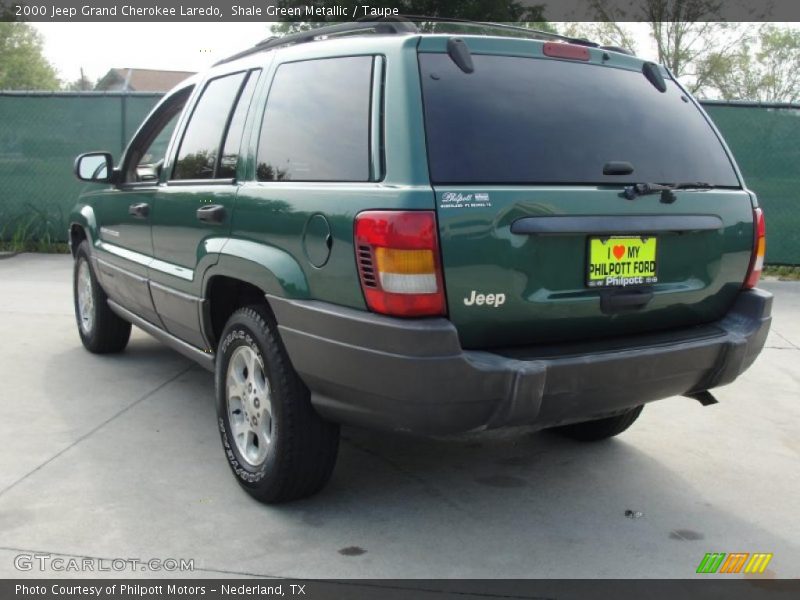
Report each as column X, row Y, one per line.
column 413, row 375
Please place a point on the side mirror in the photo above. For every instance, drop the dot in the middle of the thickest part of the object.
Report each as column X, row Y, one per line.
column 97, row 167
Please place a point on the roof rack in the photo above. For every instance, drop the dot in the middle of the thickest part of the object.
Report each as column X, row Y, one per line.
column 619, row 49
column 392, row 25
column 532, row 33
column 374, row 26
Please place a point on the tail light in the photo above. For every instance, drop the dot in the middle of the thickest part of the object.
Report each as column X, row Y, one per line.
column 398, row 262
column 759, row 250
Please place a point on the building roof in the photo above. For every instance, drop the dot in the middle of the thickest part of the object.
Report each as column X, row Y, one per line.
column 141, row 80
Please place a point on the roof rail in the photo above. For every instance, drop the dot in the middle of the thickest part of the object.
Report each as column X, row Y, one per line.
column 619, row 49
column 533, row 33
column 393, row 24
column 375, row 26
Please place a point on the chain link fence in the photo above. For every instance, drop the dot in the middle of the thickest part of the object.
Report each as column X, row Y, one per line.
column 765, row 139
column 41, row 133
column 40, row 136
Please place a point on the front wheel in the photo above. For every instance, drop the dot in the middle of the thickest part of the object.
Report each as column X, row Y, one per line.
column 601, row 429
column 101, row 330
column 277, row 446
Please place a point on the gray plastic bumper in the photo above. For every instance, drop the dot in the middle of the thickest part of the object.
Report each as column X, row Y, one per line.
column 413, row 375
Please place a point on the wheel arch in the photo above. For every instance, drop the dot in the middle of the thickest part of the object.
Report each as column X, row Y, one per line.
column 244, row 274
column 82, row 226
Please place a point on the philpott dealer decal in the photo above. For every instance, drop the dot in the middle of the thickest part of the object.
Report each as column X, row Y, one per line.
column 459, row 200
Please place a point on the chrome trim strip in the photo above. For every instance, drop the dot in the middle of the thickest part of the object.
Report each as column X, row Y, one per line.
column 173, row 292
column 136, row 257
column 170, row 269
column 120, row 270
column 376, row 120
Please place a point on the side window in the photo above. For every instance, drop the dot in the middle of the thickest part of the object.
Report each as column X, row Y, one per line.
column 233, row 139
column 199, row 150
column 316, row 123
column 149, row 149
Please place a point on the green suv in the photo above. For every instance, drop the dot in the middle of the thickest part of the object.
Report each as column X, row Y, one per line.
column 425, row 233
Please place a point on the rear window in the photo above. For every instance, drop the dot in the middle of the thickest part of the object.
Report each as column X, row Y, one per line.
column 526, row 120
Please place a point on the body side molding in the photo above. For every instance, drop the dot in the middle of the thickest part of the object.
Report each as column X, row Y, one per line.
column 204, row 359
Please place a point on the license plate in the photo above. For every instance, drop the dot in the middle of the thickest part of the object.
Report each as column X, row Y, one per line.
column 621, row 261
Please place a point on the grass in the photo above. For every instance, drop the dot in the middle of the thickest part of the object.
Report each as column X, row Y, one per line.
column 36, row 230
column 43, row 247
column 783, row 272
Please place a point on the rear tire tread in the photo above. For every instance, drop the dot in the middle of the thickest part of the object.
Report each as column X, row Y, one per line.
column 310, row 444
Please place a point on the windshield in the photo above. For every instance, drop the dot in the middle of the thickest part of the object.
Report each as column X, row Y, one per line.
column 526, row 120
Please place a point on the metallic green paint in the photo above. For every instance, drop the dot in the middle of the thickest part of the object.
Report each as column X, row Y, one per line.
column 260, row 240
column 268, row 267
column 543, row 277
column 274, row 215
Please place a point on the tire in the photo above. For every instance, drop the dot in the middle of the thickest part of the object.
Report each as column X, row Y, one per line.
column 101, row 330
column 601, row 429
column 277, row 446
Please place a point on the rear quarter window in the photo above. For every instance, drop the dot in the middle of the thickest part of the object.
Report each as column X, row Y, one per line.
column 521, row 120
column 316, row 122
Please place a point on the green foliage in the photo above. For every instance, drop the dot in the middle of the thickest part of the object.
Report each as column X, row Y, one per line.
column 22, row 64
column 267, row 172
column 196, row 166
column 684, row 47
column 783, row 272
column 765, row 69
column 38, row 229
column 605, row 33
column 82, row 84
column 732, row 61
column 686, row 33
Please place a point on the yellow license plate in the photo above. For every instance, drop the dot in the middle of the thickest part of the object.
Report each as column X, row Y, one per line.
column 621, row 261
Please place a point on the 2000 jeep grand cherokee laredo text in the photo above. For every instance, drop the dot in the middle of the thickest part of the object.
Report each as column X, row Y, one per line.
column 424, row 233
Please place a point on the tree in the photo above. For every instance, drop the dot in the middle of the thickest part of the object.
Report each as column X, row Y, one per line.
column 605, row 33
column 266, row 172
column 685, row 47
column 686, row 33
column 82, row 84
column 22, row 64
column 767, row 70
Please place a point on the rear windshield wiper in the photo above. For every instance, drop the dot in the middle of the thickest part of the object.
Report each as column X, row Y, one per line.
column 645, row 189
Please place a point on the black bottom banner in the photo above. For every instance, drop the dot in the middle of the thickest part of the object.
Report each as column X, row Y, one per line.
column 425, row 589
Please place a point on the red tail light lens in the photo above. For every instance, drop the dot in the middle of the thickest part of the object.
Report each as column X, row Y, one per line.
column 398, row 261
column 759, row 250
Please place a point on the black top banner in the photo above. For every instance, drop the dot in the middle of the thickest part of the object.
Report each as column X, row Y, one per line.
column 477, row 10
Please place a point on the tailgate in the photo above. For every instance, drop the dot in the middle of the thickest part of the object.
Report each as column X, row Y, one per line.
column 539, row 241
column 507, row 288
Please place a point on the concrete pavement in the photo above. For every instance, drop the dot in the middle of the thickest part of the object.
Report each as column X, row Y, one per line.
column 119, row 457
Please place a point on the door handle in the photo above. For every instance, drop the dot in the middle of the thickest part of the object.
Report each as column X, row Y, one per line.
column 140, row 210
column 213, row 213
